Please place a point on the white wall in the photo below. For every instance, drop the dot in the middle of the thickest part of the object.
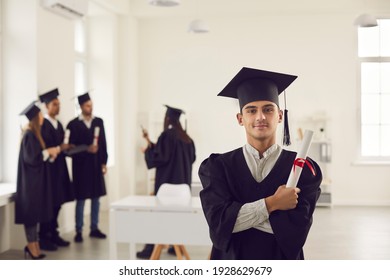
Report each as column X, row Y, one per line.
column 19, row 74
column 188, row 70
column 127, row 104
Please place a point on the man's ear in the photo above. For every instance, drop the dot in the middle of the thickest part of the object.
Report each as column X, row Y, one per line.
column 239, row 119
column 280, row 116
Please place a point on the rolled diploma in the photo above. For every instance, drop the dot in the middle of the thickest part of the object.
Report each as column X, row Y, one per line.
column 96, row 135
column 302, row 153
column 66, row 137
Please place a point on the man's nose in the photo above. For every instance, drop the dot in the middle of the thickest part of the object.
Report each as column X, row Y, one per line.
column 260, row 116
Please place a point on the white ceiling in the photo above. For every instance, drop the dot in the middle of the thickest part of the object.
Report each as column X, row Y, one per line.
column 225, row 8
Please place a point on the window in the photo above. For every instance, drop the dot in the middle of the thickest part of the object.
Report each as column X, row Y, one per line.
column 92, row 47
column 81, row 59
column 374, row 59
column 1, row 104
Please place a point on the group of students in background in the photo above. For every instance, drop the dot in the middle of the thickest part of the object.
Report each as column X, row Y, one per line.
column 43, row 182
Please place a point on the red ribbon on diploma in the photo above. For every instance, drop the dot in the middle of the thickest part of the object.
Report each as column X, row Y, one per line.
column 300, row 162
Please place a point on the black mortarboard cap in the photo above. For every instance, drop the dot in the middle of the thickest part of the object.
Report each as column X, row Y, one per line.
column 173, row 113
column 253, row 84
column 49, row 96
column 31, row 111
column 83, row 98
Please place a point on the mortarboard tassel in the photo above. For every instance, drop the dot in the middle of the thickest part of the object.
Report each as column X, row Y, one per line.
column 286, row 133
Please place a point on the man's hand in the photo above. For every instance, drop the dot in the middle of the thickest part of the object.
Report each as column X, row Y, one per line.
column 53, row 152
column 93, row 149
column 145, row 135
column 283, row 199
column 65, row 147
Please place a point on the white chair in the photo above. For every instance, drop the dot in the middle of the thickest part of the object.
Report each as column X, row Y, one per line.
column 172, row 194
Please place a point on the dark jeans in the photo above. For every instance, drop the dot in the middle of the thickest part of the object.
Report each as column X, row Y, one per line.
column 95, row 206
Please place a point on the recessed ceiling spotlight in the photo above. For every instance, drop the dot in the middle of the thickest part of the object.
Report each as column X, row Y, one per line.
column 164, row 3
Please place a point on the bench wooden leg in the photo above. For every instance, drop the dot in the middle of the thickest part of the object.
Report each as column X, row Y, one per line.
column 184, row 251
column 178, row 252
column 156, row 252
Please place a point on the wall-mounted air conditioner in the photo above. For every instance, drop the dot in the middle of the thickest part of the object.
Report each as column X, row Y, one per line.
column 72, row 9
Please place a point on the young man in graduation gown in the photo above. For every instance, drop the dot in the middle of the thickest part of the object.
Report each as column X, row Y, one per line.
column 61, row 187
column 172, row 156
column 250, row 212
column 88, row 165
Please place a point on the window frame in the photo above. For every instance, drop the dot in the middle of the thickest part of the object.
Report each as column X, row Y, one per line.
column 81, row 57
column 1, row 98
column 380, row 160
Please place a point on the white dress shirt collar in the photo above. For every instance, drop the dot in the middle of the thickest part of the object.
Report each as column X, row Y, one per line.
column 53, row 122
column 256, row 153
column 88, row 123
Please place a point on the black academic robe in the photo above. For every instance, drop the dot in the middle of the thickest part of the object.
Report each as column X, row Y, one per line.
column 172, row 158
column 62, row 189
column 88, row 179
column 33, row 200
column 228, row 184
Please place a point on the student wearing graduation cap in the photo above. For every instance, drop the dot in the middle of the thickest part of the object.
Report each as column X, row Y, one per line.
column 172, row 156
column 61, row 187
column 33, row 200
column 88, row 165
column 250, row 212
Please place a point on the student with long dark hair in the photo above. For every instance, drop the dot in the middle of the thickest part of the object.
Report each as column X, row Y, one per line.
column 172, row 156
column 33, row 201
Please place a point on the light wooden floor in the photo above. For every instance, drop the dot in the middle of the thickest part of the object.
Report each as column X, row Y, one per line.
column 338, row 233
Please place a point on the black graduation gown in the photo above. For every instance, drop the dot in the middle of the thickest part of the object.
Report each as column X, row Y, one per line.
column 228, row 184
column 62, row 189
column 33, row 200
column 88, row 179
column 172, row 158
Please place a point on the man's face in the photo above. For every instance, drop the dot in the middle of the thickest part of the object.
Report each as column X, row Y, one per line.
column 53, row 107
column 260, row 119
column 86, row 108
